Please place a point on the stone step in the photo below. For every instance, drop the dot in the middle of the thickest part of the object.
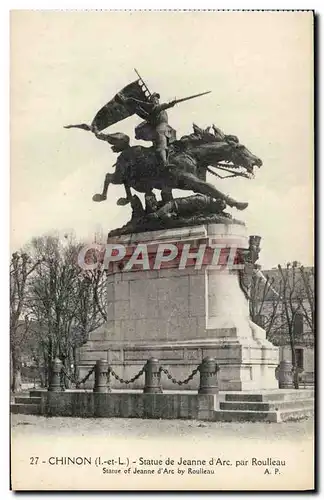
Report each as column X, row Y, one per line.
column 27, row 400
column 263, row 416
column 37, row 393
column 268, row 406
column 245, row 416
column 26, row 408
column 280, row 395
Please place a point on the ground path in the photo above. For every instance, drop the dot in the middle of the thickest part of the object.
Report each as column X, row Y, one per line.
column 131, row 439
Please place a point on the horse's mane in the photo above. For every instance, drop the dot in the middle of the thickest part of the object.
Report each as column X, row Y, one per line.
column 198, row 137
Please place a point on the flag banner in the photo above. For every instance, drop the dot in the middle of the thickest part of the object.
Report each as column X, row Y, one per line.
column 115, row 110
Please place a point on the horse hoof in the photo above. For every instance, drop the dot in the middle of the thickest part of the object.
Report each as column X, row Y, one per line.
column 241, row 206
column 99, row 197
column 122, row 202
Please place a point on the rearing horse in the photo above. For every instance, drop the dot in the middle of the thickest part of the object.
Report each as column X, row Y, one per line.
column 188, row 162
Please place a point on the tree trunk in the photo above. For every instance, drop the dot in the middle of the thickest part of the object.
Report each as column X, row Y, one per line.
column 296, row 377
column 40, row 373
column 294, row 364
column 75, row 362
column 42, row 378
column 16, row 385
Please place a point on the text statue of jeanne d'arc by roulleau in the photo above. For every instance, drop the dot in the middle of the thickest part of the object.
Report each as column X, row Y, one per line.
column 169, row 163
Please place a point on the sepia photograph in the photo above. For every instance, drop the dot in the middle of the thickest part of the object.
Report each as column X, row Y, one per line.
column 162, row 297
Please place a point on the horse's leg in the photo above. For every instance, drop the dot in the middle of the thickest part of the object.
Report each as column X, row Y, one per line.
column 193, row 183
column 125, row 201
column 103, row 196
column 166, row 195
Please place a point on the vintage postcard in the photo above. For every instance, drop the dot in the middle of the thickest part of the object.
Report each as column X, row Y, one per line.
column 162, row 329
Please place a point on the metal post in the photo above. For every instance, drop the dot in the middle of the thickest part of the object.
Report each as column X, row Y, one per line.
column 152, row 377
column 208, row 376
column 101, row 377
column 284, row 374
column 55, row 377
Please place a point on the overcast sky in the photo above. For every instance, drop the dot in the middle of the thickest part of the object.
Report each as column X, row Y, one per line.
column 66, row 65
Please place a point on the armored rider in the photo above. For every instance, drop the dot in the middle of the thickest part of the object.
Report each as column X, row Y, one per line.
column 156, row 116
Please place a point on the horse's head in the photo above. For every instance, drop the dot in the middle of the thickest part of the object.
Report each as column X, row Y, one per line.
column 217, row 148
column 239, row 155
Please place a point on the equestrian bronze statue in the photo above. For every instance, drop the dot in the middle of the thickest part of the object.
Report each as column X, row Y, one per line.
column 169, row 163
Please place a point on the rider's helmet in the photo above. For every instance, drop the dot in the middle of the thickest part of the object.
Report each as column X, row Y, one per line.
column 155, row 98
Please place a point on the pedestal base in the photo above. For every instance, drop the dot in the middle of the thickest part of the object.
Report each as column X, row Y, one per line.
column 244, row 364
column 180, row 316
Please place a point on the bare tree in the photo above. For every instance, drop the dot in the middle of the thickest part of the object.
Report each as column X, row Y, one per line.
column 89, row 310
column 306, row 299
column 21, row 269
column 278, row 303
column 291, row 293
column 265, row 303
column 67, row 302
column 52, row 292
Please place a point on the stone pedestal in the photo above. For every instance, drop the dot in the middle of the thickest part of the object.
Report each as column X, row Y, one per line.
column 180, row 316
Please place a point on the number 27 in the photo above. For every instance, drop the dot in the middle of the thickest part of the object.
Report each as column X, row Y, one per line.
column 33, row 460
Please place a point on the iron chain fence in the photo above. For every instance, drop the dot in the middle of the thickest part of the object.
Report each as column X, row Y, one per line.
column 152, row 369
column 130, row 381
column 77, row 383
column 179, row 382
